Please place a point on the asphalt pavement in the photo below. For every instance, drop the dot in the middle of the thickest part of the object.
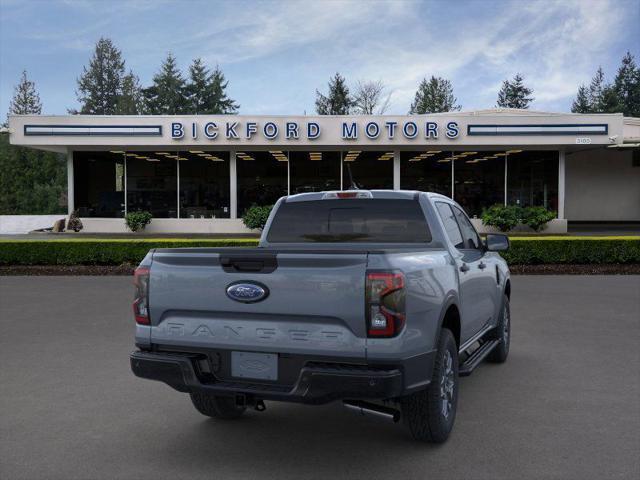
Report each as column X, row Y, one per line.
column 565, row 405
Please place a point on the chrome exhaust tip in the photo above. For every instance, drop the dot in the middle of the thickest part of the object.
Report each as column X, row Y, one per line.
column 373, row 410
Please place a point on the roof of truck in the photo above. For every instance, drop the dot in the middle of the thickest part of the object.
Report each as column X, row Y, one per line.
column 390, row 194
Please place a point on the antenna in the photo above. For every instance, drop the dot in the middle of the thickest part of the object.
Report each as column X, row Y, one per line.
column 352, row 185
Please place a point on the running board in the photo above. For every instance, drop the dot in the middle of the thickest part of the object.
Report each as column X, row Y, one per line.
column 476, row 357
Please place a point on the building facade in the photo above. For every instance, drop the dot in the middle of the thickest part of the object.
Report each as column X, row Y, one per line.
column 200, row 173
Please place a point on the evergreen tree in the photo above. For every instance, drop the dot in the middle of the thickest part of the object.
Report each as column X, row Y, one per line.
column 596, row 91
column 514, row 94
column 338, row 101
column 627, row 86
column 206, row 91
column 100, row 85
column 581, row 104
column 167, row 95
column 25, row 99
column 433, row 96
column 219, row 102
column 130, row 101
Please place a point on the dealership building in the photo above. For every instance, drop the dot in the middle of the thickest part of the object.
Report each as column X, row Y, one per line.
column 200, row 173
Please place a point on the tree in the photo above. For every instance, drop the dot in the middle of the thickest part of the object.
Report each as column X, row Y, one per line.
column 596, row 91
column 581, row 104
column 338, row 101
column 206, row 92
column 370, row 98
column 130, row 101
column 514, row 94
column 31, row 181
column 434, row 95
column 167, row 95
column 627, row 86
column 25, row 99
column 100, row 85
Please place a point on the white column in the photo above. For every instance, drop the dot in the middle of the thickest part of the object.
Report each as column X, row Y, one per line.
column 341, row 170
column 70, row 185
column 561, row 176
column 396, row 169
column 233, row 185
column 506, row 168
column 177, row 188
column 453, row 177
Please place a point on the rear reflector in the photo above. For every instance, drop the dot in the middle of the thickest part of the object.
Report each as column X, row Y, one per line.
column 141, row 296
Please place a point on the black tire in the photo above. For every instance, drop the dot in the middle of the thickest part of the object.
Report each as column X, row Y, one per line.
column 502, row 332
column 216, row 406
column 423, row 412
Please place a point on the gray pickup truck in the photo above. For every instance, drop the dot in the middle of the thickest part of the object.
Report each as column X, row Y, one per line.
column 380, row 299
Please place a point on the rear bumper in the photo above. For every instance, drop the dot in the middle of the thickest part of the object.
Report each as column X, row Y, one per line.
column 317, row 383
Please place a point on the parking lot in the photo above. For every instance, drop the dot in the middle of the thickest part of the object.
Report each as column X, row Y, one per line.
column 565, row 405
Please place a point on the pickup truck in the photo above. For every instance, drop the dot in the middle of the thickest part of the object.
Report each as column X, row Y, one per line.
column 380, row 299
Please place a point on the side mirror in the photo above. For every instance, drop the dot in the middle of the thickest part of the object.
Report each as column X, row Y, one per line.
column 496, row 242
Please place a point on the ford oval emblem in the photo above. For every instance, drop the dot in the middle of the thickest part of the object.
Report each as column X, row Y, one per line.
column 247, row 292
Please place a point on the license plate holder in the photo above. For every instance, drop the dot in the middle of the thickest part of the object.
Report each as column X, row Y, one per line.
column 254, row 365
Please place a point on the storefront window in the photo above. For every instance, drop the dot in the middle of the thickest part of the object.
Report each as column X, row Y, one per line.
column 532, row 179
column 367, row 170
column 426, row 171
column 99, row 184
column 314, row 171
column 152, row 183
column 262, row 178
column 204, row 184
column 479, row 180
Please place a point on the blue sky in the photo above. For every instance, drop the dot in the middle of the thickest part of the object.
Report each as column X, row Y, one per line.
column 275, row 54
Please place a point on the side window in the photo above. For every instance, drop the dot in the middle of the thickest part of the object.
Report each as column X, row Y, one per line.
column 450, row 224
column 471, row 239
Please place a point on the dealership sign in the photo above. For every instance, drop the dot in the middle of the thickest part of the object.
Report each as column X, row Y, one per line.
column 292, row 130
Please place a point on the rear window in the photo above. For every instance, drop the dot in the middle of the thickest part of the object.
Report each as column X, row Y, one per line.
column 350, row 220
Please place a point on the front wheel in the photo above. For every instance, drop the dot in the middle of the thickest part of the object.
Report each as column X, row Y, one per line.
column 502, row 333
column 216, row 406
column 429, row 414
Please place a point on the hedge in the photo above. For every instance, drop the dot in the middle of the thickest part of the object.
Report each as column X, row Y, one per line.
column 98, row 251
column 523, row 251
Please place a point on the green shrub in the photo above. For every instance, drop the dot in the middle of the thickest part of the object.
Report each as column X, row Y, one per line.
column 74, row 223
column 256, row 216
column 98, row 251
column 504, row 218
column 137, row 220
column 537, row 217
column 572, row 250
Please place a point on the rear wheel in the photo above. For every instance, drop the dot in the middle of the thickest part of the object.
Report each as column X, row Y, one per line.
column 216, row 406
column 502, row 332
column 429, row 414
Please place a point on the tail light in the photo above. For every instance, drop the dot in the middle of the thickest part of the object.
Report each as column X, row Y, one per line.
column 141, row 298
column 385, row 303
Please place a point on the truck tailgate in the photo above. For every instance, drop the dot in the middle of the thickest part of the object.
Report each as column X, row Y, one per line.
column 315, row 301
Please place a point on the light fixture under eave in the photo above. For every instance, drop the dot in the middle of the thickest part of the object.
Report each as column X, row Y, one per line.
column 444, row 160
column 152, row 160
column 116, row 151
column 196, row 151
column 140, row 157
column 434, row 151
column 131, row 154
column 514, row 151
column 162, row 153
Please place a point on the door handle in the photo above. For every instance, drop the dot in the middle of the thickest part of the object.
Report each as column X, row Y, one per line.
column 482, row 266
column 464, row 267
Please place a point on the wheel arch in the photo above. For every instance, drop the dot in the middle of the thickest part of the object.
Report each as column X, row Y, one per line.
column 450, row 319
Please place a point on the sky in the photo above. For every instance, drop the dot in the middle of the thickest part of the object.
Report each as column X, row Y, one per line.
column 275, row 54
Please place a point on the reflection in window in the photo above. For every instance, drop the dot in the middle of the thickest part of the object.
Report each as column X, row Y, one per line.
column 532, row 179
column 367, row 170
column 314, row 171
column 99, row 184
column 262, row 178
column 479, row 180
column 427, row 171
column 204, row 184
column 152, row 183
